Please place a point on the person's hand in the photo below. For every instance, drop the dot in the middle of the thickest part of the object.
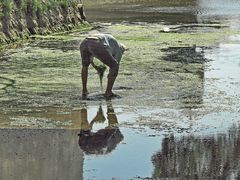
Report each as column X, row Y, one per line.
column 100, row 70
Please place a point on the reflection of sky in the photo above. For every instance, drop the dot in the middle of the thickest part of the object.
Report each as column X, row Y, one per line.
column 216, row 123
column 219, row 7
column 203, row 7
column 226, row 59
column 222, row 84
column 225, row 68
column 219, row 10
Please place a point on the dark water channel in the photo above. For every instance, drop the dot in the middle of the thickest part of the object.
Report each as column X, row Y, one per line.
column 169, row 12
column 106, row 140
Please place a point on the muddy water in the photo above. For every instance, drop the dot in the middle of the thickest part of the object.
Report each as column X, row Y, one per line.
column 177, row 114
column 40, row 154
column 169, row 12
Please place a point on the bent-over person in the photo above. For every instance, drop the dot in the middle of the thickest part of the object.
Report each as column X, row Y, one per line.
column 109, row 51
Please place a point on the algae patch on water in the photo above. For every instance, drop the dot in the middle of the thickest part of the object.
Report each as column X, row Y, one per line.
column 157, row 67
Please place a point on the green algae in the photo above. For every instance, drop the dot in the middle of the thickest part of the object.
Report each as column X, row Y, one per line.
column 49, row 67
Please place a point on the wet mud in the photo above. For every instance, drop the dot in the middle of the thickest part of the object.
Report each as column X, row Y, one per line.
column 185, row 55
column 176, row 115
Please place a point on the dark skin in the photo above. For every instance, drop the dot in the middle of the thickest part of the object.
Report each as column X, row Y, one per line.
column 111, row 79
column 96, row 50
column 84, row 81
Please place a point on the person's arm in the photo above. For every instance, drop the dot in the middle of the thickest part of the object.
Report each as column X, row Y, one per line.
column 118, row 56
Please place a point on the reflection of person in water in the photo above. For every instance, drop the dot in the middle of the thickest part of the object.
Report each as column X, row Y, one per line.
column 104, row 140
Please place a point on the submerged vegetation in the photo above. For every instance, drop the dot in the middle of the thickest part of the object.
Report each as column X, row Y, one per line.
column 170, row 63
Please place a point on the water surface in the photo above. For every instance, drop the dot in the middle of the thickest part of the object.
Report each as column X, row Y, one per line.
column 169, row 12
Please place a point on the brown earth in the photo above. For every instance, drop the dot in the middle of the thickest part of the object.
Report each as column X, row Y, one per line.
column 19, row 19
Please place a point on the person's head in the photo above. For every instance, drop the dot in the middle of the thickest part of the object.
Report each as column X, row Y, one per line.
column 123, row 47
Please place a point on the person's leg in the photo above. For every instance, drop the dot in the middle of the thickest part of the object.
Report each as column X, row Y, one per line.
column 113, row 72
column 86, row 60
column 101, row 53
column 84, row 81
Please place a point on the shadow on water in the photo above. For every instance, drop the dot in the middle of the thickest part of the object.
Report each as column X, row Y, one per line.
column 6, row 83
column 199, row 157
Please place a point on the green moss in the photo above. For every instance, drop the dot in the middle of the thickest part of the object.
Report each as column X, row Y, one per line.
column 6, row 7
column 154, row 34
column 63, row 3
column 50, row 66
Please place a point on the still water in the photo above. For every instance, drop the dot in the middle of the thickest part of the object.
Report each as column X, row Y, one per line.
column 108, row 141
column 169, row 12
column 210, row 148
